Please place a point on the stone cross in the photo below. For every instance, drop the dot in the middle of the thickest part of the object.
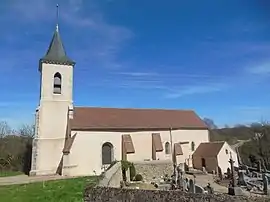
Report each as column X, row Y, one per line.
column 231, row 161
column 233, row 189
column 180, row 178
column 259, row 166
column 241, row 178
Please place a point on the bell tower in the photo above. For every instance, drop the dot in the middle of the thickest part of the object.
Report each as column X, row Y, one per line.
column 56, row 101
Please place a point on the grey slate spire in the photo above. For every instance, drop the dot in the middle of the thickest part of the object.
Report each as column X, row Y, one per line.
column 56, row 53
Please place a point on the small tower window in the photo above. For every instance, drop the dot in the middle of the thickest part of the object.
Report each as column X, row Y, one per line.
column 192, row 146
column 226, row 151
column 167, row 148
column 57, row 83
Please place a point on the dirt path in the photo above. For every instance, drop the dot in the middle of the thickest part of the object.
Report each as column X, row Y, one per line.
column 203, row 180
column 25, row 179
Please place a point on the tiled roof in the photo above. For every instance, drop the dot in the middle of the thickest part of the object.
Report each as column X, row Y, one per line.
column 90, row 118
column 208, row 149
column 56, row 53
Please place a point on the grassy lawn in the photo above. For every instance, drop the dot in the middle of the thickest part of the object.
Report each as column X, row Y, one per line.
column 68, row 190
column 9, row 173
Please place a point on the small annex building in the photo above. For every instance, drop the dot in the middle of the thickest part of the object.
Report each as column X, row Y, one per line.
column 214, row 156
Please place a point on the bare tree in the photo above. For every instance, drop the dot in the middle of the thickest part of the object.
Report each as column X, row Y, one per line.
column 27, row 130
column 5, row 129
column 210, row 123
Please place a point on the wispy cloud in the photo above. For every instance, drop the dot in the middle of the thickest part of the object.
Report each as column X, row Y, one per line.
column 97, row 41
column 192, row 90
column 261, row 69
column 172, row 75
column 167, row 85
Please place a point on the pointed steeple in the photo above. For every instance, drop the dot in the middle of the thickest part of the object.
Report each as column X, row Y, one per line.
column 56, row 53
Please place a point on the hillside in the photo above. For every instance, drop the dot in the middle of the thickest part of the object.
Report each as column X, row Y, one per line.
column 252, row 151
column 231, row 135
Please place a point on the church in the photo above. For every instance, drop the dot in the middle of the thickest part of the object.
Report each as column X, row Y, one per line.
column 81, row 141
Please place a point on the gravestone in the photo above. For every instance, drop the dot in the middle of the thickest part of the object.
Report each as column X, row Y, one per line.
column 265, row 185
column 179, row 178
column 241, row 178
column 204, row 170
column 259, row 166
column 228, row 173
column 191, row 186
column 209, row 189
column 199, row 189
column 182, row 167
column 185, row 185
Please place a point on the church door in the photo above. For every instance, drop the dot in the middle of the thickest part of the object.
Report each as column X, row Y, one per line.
column 107, row 153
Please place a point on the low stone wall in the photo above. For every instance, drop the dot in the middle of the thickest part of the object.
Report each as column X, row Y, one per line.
column 100, row 194
column 112, row 177
column 153, row 169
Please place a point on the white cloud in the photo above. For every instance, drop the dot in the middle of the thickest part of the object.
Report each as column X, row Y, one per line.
column 151, row 74
column 138, row 74
column 262, row 69
column 191, row 90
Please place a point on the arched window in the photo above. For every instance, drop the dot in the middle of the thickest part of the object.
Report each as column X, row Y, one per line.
column 167, row 148
column 192, row 146
column 107, row 153
column 57, row 79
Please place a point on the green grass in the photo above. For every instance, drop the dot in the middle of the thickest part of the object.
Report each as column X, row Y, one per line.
column 68, row 190
column 10, row 173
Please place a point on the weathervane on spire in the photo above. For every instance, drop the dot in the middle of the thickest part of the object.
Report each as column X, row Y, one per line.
column 57, row 16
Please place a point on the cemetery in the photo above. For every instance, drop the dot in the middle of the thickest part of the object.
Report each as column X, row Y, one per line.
column 241, row 183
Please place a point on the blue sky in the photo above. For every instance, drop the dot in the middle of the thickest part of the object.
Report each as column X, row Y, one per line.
column 210, row 56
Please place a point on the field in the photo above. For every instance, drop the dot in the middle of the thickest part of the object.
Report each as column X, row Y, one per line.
column 9, row 173
column 68, row 190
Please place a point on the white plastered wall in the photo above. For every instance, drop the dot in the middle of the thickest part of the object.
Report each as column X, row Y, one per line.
column 85, row 157
column 223, row 157
column 51, row 126
column 196, row 136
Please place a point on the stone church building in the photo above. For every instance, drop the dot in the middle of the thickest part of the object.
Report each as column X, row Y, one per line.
column 76, row 141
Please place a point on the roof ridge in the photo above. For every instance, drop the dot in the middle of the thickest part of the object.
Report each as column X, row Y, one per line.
column 134, row 108
column 214, row 142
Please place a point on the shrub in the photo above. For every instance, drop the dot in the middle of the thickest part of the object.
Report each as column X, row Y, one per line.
column 132, row 171
column 125, row 165
column 138, row 177
column 128, row 165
